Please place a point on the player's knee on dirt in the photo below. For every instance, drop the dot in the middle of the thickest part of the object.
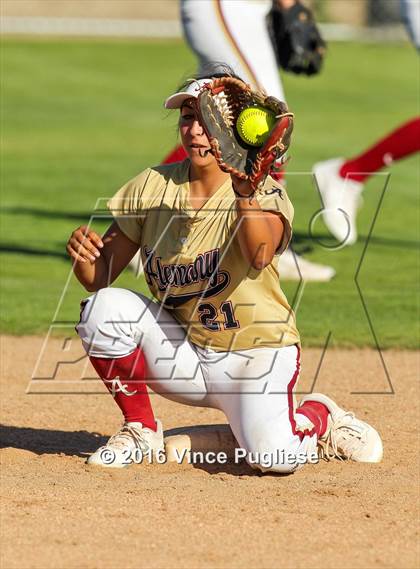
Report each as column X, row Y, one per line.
column 106, row 323
column 275, row 447
column 275, row 460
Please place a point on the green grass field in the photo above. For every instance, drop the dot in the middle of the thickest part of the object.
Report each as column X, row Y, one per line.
column 79, row 118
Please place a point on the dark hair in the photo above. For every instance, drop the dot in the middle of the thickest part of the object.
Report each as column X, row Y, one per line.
column 212, row 69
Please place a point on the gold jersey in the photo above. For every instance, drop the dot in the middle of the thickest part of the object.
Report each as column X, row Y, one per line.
column 193, row 264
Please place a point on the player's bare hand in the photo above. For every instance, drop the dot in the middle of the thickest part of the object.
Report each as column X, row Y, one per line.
column 84, row 245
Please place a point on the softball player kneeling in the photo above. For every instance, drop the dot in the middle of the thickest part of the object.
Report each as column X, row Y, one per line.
column 219, row 332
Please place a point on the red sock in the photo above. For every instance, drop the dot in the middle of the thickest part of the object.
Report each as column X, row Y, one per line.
column 178, row 154
column 129, row 389
column 317, row 413
column 400, row 143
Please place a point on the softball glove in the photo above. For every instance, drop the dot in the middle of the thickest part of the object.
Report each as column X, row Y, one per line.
column 220, row 103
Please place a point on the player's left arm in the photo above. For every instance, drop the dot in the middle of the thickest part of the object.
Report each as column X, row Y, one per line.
column 259, row 232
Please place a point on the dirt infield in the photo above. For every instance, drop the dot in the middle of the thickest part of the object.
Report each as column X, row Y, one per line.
column 57, row 512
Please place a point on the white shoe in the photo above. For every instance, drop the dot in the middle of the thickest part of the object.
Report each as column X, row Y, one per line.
column 341, row 198
column 292, row 267
column 128, row 445
column 136, row 265
column 346, row 437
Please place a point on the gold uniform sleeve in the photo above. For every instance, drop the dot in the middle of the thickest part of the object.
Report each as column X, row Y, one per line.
column 273, row 197
column 127, row 205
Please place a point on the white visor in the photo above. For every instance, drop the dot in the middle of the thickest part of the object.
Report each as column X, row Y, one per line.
column 176, row 100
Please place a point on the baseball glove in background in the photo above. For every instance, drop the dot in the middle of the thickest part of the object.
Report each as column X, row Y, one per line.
column 296, row 40
column 220, row 103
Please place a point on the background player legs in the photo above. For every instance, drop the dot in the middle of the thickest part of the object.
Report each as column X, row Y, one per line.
column 410, row 13
column 220, row 31
column 340, row 181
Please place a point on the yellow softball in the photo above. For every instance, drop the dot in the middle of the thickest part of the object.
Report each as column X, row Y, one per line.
column 254, row 124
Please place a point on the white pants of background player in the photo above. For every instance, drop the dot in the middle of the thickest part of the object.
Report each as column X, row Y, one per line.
column 253, row 388
column 233, row 32
column 410, row 11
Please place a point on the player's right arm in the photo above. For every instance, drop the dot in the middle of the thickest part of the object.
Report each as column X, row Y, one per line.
column 97, row 261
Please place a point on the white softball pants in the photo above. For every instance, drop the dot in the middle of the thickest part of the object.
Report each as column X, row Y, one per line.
column 410, row 11
column 233, row 32
column 253, row 388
